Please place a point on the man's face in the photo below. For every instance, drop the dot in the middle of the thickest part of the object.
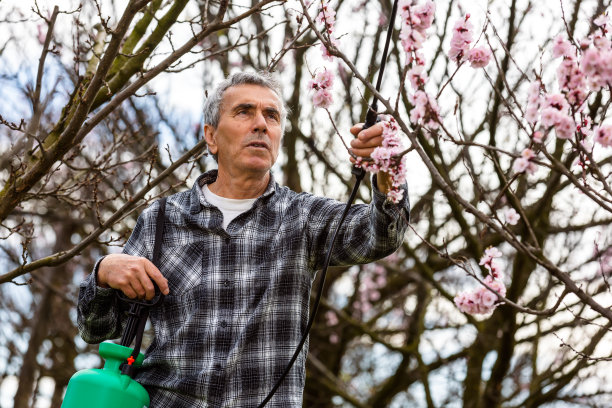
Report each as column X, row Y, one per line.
column 247, row 138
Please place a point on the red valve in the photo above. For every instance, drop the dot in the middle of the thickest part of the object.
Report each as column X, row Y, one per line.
column 130, row 360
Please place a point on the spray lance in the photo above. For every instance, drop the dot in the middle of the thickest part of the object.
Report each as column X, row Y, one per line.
column 359, row 174
column 114, row 386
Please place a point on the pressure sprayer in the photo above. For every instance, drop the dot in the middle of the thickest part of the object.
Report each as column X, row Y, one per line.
column 113, row 386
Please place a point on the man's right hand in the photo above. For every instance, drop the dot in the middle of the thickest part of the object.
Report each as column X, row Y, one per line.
column 132, row 275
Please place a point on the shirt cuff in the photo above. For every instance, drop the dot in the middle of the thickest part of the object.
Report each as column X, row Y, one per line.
column 97, row 289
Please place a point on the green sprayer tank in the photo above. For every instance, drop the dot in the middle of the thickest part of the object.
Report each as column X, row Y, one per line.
column 107, row 387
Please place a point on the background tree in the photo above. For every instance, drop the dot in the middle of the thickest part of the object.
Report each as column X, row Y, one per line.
column 90, row 136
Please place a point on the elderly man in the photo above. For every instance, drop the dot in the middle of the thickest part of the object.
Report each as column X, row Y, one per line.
column 238, row 258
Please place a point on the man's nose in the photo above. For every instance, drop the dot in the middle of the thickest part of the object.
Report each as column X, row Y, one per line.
column 259, row 122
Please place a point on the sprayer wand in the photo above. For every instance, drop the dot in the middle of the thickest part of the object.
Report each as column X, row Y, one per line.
column 359, row 173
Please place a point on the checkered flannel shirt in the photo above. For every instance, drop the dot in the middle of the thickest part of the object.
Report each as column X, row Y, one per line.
column 239, row 299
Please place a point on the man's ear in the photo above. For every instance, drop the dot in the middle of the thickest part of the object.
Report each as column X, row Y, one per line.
column 211, row 140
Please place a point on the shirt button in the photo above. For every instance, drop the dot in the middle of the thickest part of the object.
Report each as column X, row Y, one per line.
column 226, row 282
column 223, row 323
column 217, row 367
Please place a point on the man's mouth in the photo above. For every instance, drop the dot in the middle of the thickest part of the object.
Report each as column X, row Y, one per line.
column 258, row 144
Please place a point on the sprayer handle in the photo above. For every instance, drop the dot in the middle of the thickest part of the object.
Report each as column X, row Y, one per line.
column 142, row 302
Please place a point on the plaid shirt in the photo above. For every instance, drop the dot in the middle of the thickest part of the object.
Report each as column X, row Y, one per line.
column 239, row 299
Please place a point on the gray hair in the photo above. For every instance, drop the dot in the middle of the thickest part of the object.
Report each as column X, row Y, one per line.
column 212, row 106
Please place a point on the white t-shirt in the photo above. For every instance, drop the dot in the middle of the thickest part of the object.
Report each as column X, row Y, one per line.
column 230, row 207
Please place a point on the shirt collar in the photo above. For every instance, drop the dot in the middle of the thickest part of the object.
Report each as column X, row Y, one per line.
column 197, row 197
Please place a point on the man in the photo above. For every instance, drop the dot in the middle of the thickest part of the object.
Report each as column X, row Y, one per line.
column 238, row 258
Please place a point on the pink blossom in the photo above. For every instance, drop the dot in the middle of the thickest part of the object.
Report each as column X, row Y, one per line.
column 479, row 301
column 483, row 300
column 390, row 129
column 489, row 254
column 479, row 57
column 601, row 41
column 411, row 39
column 549, row 117
column 565, row 127
column 405, row 7
column 417, row 76
column 569, row 74
column 596, row 66
column 534, row 102
column 326, row 17
column 425, row 14
column 590, row 61
column 524, row 163
column 511, row 216
column 415, row 22
column 602, row 20
column 417, row 17
column 576, row 96
column 528, row 154
column 520, row 165
column 487, row 298
column 321, row 84
column 325, row 51
column 495, row 284
column 322, row 98
column 561, row 47
column 557, row 101
column 461, row 40
column 533, row 93
column 395, row 195
column 538, row 136
column 603, row 135
column 531, row 113
column 425, row 111
column 324, row 79
column 572, row 81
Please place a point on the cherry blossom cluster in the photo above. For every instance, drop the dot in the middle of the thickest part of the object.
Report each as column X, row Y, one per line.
column 416, row 19
column 482, row 300
column 585, row 68
column 321, row 85
column 389, row 159
column 425, row 110
column 460, row 45
column 327, row 18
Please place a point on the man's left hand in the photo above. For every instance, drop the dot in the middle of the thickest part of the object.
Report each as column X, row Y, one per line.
column 364, row 144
